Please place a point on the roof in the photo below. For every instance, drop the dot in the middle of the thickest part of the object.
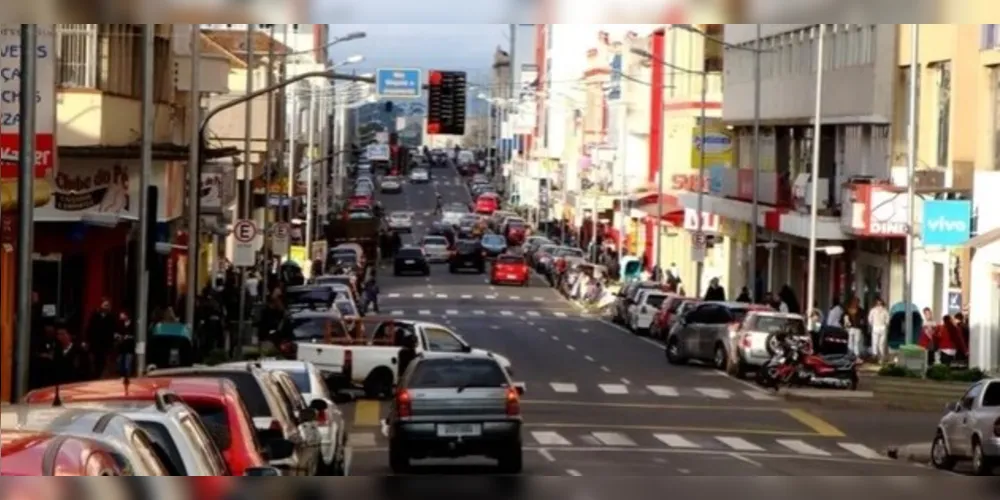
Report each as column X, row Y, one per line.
column 234, row 41
column 991, row 236
column 61, row 419
column 284, row 365
column 140, row 389
column 456, row 355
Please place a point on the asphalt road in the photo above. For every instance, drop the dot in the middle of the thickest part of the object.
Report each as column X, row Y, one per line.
column 602, row 402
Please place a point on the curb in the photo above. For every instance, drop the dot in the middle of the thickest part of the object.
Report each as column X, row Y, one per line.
column 849, row 403
column 919, row 453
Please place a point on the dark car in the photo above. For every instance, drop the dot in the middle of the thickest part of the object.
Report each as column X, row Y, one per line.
column 494, row 245
column 410, row 260
column 468, row 254
column 442, row 229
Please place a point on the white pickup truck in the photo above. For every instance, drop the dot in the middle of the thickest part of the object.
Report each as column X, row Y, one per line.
column 373, row 365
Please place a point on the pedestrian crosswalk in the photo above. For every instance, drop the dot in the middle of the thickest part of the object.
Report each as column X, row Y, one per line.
column 541, row 436
column 654, row 391
column 444, row 296
column 480, row 313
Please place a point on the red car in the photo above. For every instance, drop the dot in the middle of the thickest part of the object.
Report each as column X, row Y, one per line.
column 29, row 453
column 487, row 203
column 216, row 401
column 510, row 269
column 664, row 316
column 360, row 201
column 515, row 230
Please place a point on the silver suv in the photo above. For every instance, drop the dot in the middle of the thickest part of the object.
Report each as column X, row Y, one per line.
column 456, row 405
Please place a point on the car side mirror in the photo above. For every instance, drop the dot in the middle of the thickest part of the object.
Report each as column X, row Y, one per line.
column 319, row 405
column 953, row 407
column 307, row 415
column 278, row 449
column 262, row 472
column 519, row 387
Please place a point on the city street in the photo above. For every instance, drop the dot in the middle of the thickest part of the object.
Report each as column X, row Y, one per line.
column 602, row 402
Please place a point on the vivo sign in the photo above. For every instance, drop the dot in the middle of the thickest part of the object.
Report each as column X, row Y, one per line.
column 946, row 222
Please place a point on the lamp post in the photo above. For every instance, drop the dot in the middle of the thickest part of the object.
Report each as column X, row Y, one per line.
column 194, row 180
column 911, row 167
column 814, row 191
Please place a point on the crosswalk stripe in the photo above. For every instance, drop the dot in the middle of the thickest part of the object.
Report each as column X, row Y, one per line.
column 466, row 297
column 534, row 314
column 418, row 295
column 393, row 295
column 539, row 299
column 714, row 393
column 398, row 313
column 614, row 388
column 515, row 297
column 613, row 439
column 663, row 390
column 801, row 447
column 451, row 312
column 549, row 438
column 738, row 443
column 559, row 314
column 861, row 451
column 424, row 312
column 479, row 312
column 362, row 439
column 675, row 441
column 441, row 296
column 506, row 313
column 564, row 388
column 759, row 396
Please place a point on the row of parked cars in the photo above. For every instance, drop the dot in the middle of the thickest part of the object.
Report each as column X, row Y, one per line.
column 260, row 418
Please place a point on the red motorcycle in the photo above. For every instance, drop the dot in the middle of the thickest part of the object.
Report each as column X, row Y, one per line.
column 795, row 363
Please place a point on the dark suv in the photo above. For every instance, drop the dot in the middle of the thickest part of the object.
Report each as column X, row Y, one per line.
column 468, row 254
column 410, row 260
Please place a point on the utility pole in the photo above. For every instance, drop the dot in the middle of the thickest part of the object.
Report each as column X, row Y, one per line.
column 268, row 163
column 145, row 175
column 293, row 132
column 310, row 177
column 911, row 168
column 623, row 195
column 700, row 240
column 814, row 194
column 194, row 178
column 25, row 207
column 247, row 178
column 515, row 77
column 752, row 264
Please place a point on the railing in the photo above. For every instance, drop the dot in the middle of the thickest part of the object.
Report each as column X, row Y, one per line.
column 76, row 55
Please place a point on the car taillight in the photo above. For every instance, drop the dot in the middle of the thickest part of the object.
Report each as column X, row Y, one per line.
column 745, row 341
column 275, row 426
column 348, row 362
column 513, row 403
column 404, row 403
column 734, row 327
column 322, row 418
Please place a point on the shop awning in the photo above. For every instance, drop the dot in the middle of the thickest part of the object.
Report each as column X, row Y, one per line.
column 648, row 203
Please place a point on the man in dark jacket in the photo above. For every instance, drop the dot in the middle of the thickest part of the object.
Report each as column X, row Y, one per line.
column 72, row 363
column 100, row 336
column 407, row 353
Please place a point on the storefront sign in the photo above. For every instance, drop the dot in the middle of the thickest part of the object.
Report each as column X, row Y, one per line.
column 709, row 221
column 106, row 190
column 688, row 182
column 888, row 213
column 718, row 146
column 946, row 222
column 10, row 94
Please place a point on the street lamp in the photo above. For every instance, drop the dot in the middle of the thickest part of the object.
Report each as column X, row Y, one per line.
column 355, row 59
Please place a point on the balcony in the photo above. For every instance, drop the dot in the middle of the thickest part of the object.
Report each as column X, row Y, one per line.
column 87, row 117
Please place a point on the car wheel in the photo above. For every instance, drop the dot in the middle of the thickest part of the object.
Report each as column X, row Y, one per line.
column 720, row 360
column 399, row 458
column 981, row 464
column 511, row 460
column 673, row 352
column 940, row 458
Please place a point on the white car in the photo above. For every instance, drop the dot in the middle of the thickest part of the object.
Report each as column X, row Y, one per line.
column 643, row 310
column 420, row 175
column 436, row 248
column 392, row 185
column 401, row 222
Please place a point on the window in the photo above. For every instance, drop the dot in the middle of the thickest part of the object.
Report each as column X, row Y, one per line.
column 992, row 397
column 776, row 324
column 654, row 301
column 76, row 56
column 305, row 329
column 969, row 400
column 469, row 373
column 301, row 379
column 990, row 39
column 145, row 450
column 441, row 340
column 210, row 453
column 161, row 438
column 943, row 112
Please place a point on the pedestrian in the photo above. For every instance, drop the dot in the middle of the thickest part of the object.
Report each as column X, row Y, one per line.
column 100, row 337
column 963, row 328
column 854, row 322
column 371, row 292
column 125, row 341
column 878, row 321
column 835, row 317
column 744, row 296
column 43, row 352
column 252, row 286
column 407, row 353
column 715, row 292
column 790, row 301
column 951, row 343
column 71, row 361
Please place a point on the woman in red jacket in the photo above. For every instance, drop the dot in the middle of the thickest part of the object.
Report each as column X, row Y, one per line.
column 950, row 341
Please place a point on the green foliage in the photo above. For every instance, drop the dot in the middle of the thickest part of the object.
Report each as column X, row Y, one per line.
column 939, row 373
column 894, row 370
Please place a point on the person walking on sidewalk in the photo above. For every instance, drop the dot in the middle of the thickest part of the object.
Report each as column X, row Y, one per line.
column 100, row 337
column 878, row 320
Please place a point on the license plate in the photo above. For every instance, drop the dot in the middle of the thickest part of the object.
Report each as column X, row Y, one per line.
column 469, row 263
column 411, row 262
column 459, row 430
column 512, row 276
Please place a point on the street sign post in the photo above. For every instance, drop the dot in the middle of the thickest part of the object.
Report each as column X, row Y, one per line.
column 698, row 248
column 245, row 245
column 281, row 240
column 391, row 83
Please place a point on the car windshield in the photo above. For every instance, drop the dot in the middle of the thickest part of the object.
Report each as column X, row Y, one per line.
column 436, row 241
column 470, row 219
column 445, row 373
column 419, row 171
column 360, row 216
column 315, row 328
column 568, row 252
column 493, row 239
column 776, row 324
column 410, row 253
column 390, row 179
column 510, row 259
column 547, row 248
column 346, row 308
column 400, row 216
column 655, row 300
column 309, row 296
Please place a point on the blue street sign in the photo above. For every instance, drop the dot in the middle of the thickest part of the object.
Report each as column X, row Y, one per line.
column 947, row 222
column 398, row 83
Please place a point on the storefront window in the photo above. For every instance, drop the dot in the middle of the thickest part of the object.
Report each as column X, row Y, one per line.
column 943, row 112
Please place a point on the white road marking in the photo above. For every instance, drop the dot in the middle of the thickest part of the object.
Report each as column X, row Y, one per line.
column 559, row 314
column 466, row 297
column 451, row 312
column 605, row 369
column 742, row 458
column 738, row 443
column 398, row 313
column 479, row 312
column 546, row 455
column 555, row 338
column 675, row 441
column 491, row 297
column 862, row 451
column 514, row 297
column 760, row 396
column 495, row 327
column 550, row 438
column 801, row 447
column 538, row 299
column 613, row 388
column 573, row 472
column 711, row 392
column 418, row 295
column 588, row 358
column 533, row 314
column 393, row 295
column 584, row 330
column 613, row 439
column 542, row 330
column 531, row 324
column 424, row 312
column 362, row 439
column 626, row 381
column 663, row 390
column 563, row 389
column 506, row 313
column 571, row 347
column 442, row 296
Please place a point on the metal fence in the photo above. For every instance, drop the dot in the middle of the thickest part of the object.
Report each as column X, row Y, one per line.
column 76, row 55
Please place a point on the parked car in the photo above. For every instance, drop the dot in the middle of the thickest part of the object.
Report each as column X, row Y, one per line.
column 32, row 453
column 665, row 316
column 706, row 332
column 642, row 312
column 510, row 269
column 333, row 432
column 493, row 245
column 971, row 430
column 452, row 405
column 626, row 296
column 468, row 254
column 410, row 260
column 754, row 341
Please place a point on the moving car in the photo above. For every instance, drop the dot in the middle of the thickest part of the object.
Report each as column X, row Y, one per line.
column 401, row 222
column 452, row 213
column 410, row 260
column 30, row 453
column 371, row 362
column 392, row 185
column 436, row 248
column 467, row 255
column 454, row 405
column 971, row 430
column 515, row 230
column 420, row 176
column 493, row 245
column 510, row 269
column 487, row 203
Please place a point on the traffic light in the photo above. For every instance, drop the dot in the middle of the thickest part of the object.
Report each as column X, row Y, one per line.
column 446, row 102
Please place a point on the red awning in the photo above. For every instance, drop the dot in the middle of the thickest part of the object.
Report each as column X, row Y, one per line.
column 673, row 211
